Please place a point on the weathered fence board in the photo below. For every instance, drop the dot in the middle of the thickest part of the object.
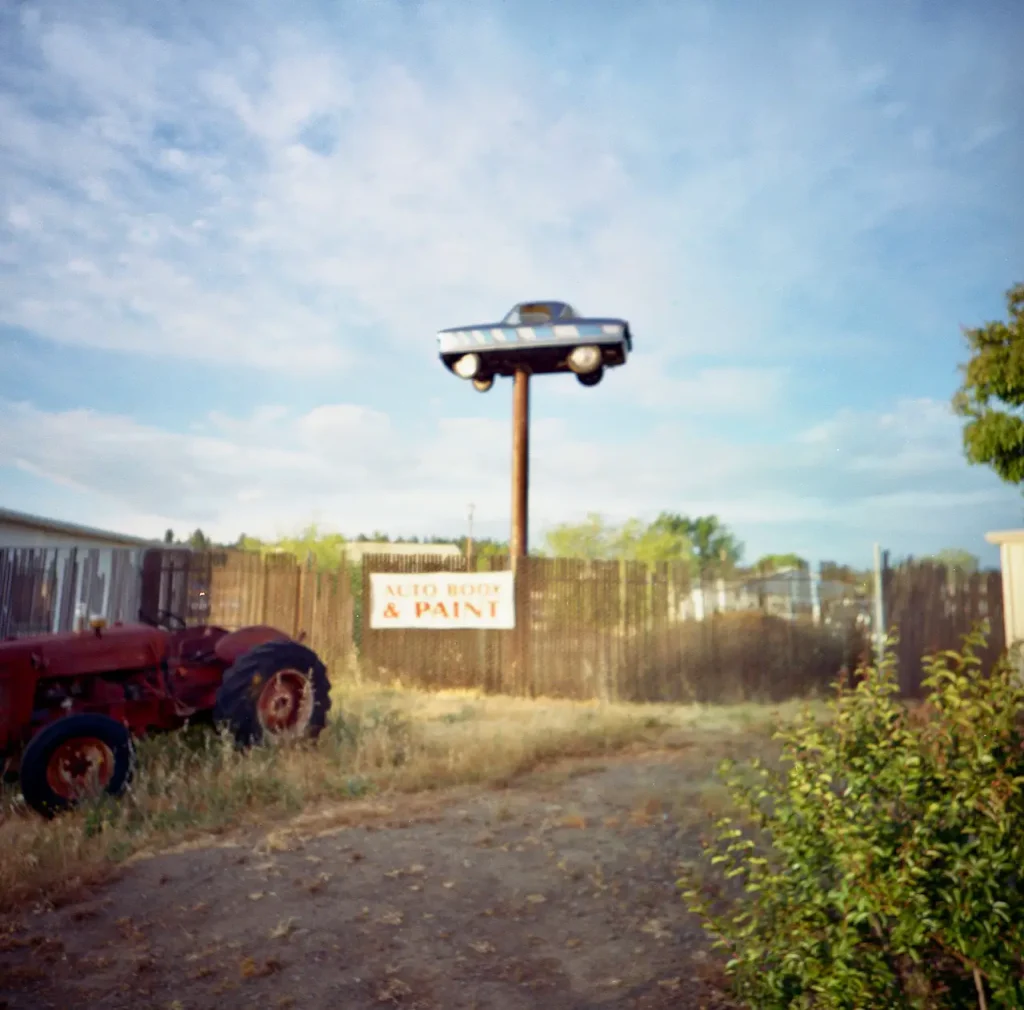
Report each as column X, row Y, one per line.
column 932, row 608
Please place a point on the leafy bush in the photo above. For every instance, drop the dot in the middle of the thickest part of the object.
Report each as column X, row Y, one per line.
column 878, row 865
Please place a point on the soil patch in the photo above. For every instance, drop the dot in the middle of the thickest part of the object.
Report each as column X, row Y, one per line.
column 558, row 892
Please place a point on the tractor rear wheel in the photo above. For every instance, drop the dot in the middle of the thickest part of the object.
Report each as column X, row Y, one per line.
column 276, row 691
column 77, row 757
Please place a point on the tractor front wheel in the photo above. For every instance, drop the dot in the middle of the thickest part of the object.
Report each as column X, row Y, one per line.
column 276, row 691
column 77, row 757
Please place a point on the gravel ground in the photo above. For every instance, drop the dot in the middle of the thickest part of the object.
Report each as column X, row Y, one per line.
column 557, row 893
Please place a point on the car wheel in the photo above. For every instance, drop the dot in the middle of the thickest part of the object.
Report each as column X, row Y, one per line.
column 77, row 757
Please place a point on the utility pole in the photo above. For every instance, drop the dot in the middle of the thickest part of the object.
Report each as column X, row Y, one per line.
column 469, row 540
column 520, row 464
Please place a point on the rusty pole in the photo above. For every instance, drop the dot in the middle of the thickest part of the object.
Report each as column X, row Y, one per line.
column 520, row 463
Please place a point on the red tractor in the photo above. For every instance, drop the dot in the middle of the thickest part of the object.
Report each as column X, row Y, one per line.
column 70, row 704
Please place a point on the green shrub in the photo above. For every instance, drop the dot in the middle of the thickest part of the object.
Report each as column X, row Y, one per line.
column 879, row 864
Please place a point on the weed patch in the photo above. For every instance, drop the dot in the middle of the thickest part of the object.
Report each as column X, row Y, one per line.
column 196, row 783
column 879, row 865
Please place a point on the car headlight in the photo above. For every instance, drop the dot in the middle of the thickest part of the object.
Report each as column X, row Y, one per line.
column 585, row 359
column 467, row 366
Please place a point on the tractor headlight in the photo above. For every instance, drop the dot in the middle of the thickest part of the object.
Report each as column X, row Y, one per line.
column 467, row 366
column 585, row 359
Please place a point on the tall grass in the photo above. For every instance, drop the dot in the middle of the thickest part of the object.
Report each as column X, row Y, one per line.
column 195, row 783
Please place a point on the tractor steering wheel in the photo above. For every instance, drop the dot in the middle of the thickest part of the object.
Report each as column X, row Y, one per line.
column 173, row 621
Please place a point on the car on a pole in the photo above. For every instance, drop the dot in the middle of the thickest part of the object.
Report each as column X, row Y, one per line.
column 541, row 337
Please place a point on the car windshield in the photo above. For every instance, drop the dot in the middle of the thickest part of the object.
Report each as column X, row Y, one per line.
column 538, row 313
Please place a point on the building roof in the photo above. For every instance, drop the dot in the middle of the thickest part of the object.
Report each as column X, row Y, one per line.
column 1005, row 537
column 11, row 518
column 355, row 550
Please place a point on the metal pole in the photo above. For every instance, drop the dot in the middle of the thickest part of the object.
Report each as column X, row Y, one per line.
column 879, row 621
column 469, row 541
column 520, row 463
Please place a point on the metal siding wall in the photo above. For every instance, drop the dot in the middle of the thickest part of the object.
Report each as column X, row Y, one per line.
column 44, row 589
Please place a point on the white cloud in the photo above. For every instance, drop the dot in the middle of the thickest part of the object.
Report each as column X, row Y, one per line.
column 661, row 382
column 304, row 194
column 859, row 475
column 338, row 186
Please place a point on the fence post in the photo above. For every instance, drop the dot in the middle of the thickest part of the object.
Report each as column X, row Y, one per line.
column 879, row 620
column 264, row 601
column 815, row 577
column 300, row 580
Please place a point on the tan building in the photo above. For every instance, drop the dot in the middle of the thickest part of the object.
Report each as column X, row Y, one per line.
column 356, row 550
column 1011, row 565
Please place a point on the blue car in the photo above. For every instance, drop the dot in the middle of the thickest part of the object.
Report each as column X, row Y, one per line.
column 541, row 337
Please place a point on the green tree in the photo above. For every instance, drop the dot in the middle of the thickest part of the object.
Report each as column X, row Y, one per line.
column 326, row 550
column 376, row 537
column 769, row 563
column 716, row 549
column 650, row 543
column 957, row 559
column 592, row 540
column 484, row 547
column 168, row 536
column 595, row 540
column 199, row 541
column 862, row 581
column 992, row 395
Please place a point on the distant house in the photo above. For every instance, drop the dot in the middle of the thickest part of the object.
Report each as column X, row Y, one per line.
column 54, row 574
column 791, row 591
column 356, row 550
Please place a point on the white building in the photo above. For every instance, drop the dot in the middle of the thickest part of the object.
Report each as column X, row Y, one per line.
column 55, row 573
column 18, row 529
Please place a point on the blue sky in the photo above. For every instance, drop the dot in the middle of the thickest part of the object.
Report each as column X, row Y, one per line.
column 228, row 234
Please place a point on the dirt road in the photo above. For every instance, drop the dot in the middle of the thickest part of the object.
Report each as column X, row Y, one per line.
column 555, row 893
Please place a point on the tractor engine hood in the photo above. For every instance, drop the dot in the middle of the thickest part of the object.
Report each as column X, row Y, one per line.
column 80, row 653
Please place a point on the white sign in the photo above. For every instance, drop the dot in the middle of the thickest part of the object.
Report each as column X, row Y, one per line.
column 441, row 600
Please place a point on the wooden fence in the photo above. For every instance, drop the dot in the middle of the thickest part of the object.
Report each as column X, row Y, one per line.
column 932, row 608
column 232, row 589
column 610, row 630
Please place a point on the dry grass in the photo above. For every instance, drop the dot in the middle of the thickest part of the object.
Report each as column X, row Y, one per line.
column 196, row 783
